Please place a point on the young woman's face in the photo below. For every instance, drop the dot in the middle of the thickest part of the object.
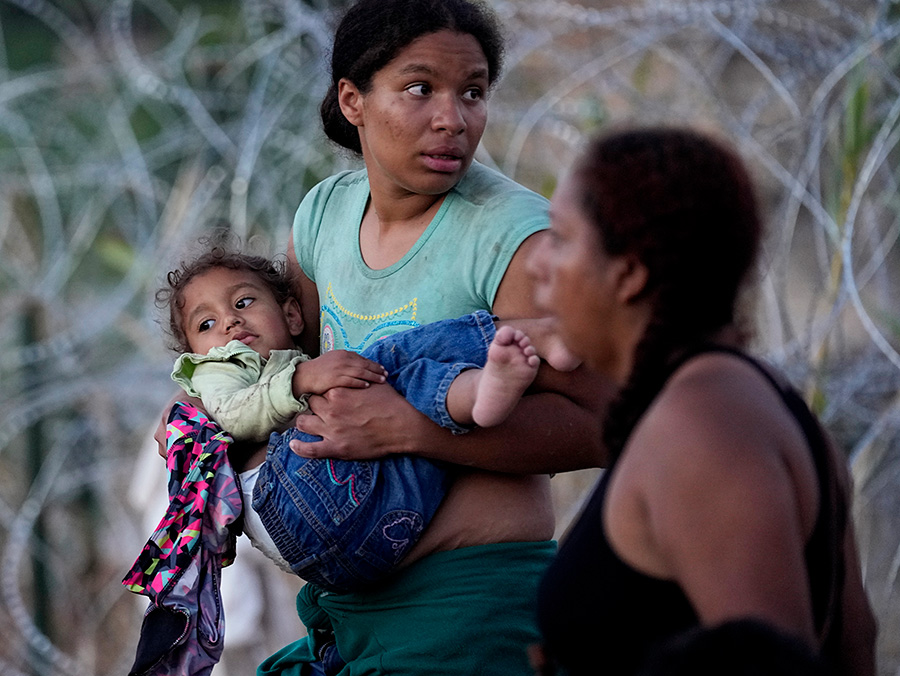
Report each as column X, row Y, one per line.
column 576, row 280
column 424, row 115
column 222, row 305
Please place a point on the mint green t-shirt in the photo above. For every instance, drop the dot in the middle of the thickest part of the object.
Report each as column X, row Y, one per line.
column 453, row 269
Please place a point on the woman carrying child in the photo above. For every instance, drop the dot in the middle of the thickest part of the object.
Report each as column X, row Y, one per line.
column 421, row 234
column 341, row 525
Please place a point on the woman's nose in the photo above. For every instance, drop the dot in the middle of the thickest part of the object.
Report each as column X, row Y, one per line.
column 450, row 116
column 232, row 321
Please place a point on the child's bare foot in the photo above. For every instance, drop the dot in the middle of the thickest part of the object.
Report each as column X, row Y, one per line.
column 512, row 364
column 544, row 336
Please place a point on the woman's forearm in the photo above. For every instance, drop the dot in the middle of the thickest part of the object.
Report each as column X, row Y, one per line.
column 546, row 433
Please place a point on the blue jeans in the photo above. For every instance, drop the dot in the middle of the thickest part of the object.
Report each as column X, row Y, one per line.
column 343, row 524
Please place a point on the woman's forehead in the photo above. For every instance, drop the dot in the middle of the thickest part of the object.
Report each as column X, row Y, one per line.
column 433, row 52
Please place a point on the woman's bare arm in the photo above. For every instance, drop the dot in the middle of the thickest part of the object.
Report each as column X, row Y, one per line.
column 308, row 296
column 735, row 512
column 546, row 433
column 729, row 492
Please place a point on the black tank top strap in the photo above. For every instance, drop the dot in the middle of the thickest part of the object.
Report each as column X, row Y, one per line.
column 824, row 551
column 705, row 348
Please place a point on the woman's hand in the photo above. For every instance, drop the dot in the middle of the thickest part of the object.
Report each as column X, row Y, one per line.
column 360, row 424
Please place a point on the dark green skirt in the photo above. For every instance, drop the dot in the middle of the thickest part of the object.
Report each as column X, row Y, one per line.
column 457, row 613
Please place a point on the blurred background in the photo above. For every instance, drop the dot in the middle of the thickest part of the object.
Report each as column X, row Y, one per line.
column 129, row 127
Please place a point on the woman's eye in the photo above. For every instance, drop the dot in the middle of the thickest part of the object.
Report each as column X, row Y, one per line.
column 474, row 94
column 419, row 89
column 206, row 325
column 244, row 303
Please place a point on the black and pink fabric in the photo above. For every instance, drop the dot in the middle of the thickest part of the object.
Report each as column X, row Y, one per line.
column 179, row 569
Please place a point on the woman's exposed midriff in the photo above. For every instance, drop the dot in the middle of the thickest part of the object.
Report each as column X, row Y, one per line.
column 486, row 507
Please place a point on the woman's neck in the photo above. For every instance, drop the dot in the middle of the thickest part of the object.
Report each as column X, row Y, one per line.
column 390, row 227
column 401, row 207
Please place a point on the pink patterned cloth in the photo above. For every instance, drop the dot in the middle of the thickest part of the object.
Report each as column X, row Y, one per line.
column 179, row 569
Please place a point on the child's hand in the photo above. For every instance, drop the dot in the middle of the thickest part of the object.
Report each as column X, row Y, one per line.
column 159, row 435
column 338, row 368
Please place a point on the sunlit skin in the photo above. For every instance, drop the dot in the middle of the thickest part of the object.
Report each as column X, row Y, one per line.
column 419, row 125
column 423, row 116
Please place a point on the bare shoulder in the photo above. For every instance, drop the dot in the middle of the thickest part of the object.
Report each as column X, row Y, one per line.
column 727, row 490
column 717, row 404
column 721, row 428
column 514, row 299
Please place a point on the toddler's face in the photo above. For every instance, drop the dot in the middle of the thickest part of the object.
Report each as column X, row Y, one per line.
column 222, row 305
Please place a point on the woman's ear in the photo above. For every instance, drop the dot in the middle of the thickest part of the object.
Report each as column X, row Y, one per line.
column 293, row 316
column 350, row 100
column 632, row 281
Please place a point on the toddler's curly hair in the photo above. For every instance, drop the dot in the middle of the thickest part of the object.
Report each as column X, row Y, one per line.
column 273, row 272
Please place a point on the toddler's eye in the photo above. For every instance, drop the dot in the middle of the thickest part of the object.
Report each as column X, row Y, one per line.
column 244, row 303
column 206, row 325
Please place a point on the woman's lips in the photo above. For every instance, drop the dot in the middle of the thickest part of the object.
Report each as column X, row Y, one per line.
column 245, row 337
column 444, row 160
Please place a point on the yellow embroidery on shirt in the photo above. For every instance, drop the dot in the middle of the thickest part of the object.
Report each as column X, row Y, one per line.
column 410, row 306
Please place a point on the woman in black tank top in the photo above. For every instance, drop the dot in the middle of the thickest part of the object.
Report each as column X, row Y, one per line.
column 723, row 502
